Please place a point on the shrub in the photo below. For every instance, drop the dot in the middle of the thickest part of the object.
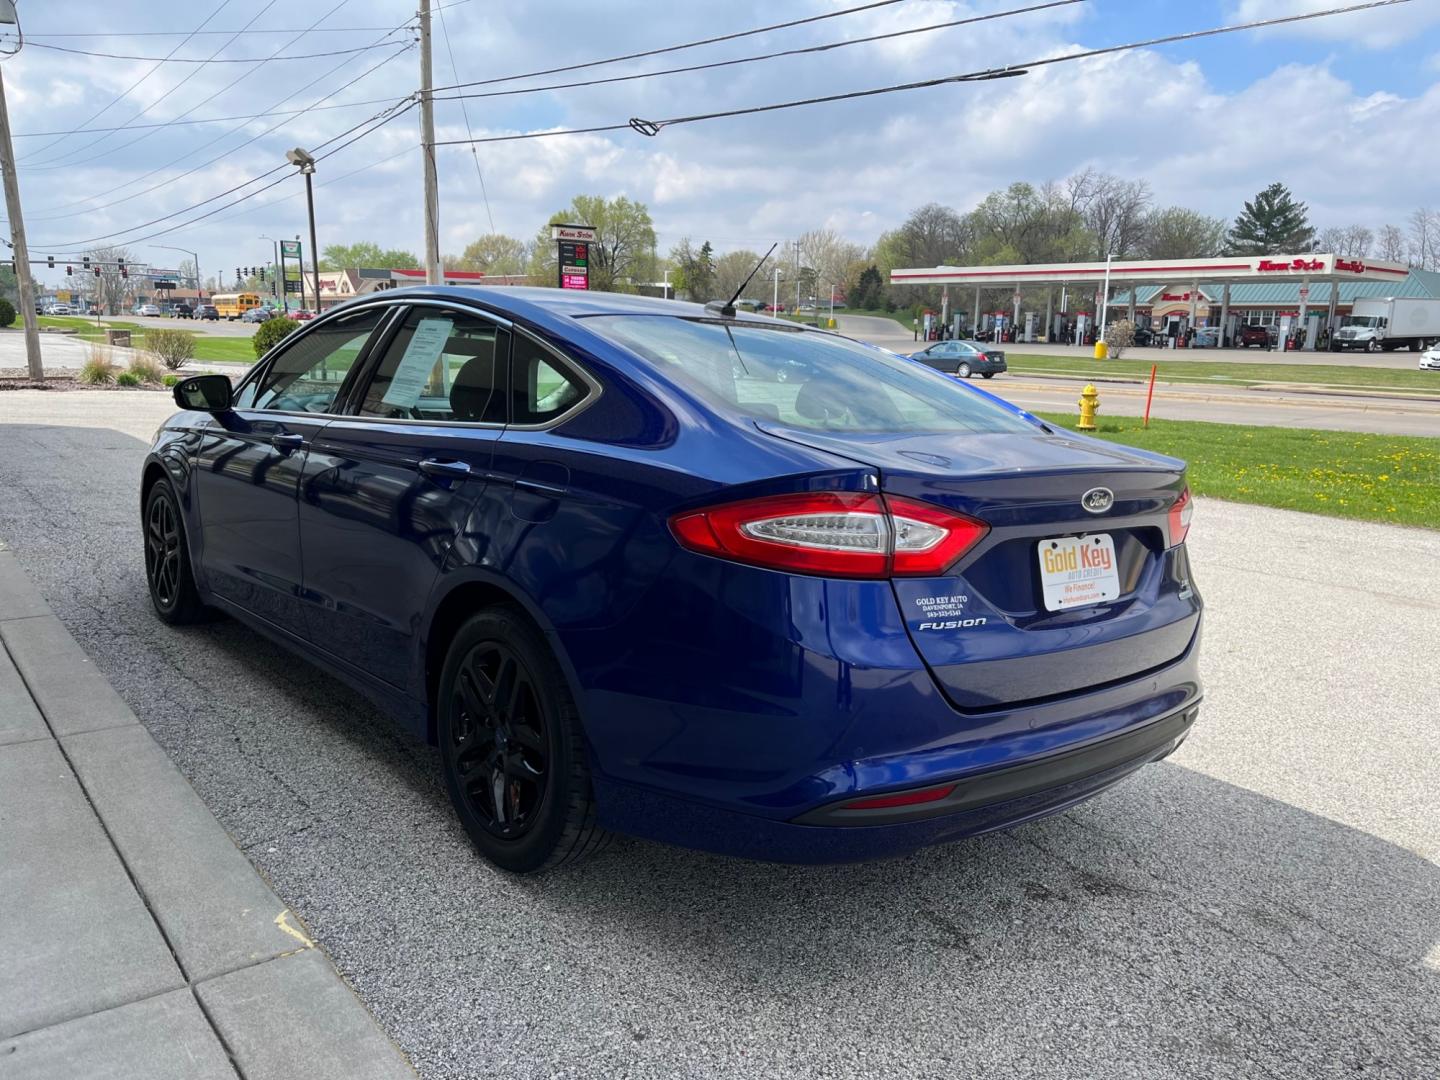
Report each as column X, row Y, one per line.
column 1119, row 336
column 171, row 347
column 7, row 312
column 270, row 332
column 169, row 380
column 127, row 378
column 145, row 369
column 99, row 370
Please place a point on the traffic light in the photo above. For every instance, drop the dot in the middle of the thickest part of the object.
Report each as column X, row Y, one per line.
column 237, row 274
column 97, row 271
column 124, row 273
column 85, row 261
column 51, row 260
column 69, row 271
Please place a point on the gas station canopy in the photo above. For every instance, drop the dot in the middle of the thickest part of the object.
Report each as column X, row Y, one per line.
column 1242, row 268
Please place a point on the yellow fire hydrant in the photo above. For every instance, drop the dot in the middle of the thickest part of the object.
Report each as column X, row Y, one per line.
column 1089, row 406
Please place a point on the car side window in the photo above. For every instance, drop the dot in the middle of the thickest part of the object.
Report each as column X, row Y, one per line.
column 442, row 364
column 542, row 386
column 308, row 374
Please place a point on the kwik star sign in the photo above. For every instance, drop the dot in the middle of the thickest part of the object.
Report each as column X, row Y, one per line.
column 573, row 267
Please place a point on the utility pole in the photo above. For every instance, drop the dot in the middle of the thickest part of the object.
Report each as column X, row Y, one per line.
column 17, row 243
column 797, row 277
column 427, row 153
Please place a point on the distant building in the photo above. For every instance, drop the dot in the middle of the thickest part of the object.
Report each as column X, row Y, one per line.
column 338, row 286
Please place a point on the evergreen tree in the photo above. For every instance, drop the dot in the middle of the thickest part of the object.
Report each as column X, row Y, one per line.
column 1272, row 224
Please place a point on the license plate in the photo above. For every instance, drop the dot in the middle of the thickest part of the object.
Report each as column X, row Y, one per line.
column 1078, row 570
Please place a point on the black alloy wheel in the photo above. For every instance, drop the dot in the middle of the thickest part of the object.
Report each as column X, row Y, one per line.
column 511, row 746
column 167, row 559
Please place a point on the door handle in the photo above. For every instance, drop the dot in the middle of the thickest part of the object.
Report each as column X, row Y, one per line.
column 287, row 443
column 446, row 470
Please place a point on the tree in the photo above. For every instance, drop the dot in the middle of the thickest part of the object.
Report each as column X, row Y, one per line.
column 1112, row 209
column 732, row 268
column 1425, row 239
column 1272, row 223
column 110, row 288
column 1179, row 233
column 622, row 252
column 366, row 255
column 1390, row 244
column 868, row 292
column 1352, row 241
column 829, row 255
column 493, row 253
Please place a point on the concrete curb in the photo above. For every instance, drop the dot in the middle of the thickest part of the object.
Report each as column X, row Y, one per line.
column 139, row 940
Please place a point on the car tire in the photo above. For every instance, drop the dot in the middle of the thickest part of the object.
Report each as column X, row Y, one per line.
column 963, row 370
column 511, row 747
column 168, row 572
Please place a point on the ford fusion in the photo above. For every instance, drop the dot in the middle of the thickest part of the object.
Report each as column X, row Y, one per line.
column 654, row 568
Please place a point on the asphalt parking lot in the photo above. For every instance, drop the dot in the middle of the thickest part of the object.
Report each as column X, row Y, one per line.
column 1264, row 904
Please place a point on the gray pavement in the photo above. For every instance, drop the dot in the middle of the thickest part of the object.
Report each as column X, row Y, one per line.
column 1263, row 904
column 891, row 335
column 138, row 941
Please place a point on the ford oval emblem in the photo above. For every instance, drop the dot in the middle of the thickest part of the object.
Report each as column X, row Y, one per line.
column 1098, row 500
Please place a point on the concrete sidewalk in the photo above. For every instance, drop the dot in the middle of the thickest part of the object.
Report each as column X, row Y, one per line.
column 138, row 941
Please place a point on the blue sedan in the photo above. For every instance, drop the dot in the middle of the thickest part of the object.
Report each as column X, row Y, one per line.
column 963, row 358
column 668, row 570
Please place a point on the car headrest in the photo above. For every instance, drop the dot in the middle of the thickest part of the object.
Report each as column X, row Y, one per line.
column 473, row 388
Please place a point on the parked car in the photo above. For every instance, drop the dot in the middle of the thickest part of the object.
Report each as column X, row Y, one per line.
column 258, row 315
column 1430, row 358
column 962, row 358
column 1144, row 338
column 626, row 580
column 208, row 312
column 301, row 315
column 183, row 311
column 774, row 309
column 58, row 309
column 1206, row 337
column 1254, row 334
column 149, row 309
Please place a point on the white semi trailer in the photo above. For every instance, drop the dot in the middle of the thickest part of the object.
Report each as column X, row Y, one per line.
column 1394, row 323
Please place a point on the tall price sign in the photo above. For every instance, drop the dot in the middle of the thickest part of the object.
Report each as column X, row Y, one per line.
column 573, row 265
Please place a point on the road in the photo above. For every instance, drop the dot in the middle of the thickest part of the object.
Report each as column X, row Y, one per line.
column 1218, row 404
column 1263, row 904
column 891, row 335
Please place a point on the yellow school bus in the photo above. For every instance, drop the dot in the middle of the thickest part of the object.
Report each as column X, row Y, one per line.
column 232, row 305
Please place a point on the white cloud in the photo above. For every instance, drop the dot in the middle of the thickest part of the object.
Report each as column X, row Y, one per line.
column 1379, row 28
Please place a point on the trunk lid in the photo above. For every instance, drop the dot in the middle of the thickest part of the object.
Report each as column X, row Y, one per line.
column 984, row 628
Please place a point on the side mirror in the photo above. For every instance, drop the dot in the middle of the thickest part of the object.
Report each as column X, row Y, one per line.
column 204, row 393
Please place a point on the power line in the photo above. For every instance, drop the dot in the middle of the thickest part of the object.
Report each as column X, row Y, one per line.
column 654, row 127
column 218, row 157
column 63, row 162
column 127, row 91
column 324, row 183
column 273, row 183
column 465, row 112
column 399, row 108
column 767, row 56
column 193, row 72
column 213, row 60
column 198, row 33
column 674, row 48
column 205, row 120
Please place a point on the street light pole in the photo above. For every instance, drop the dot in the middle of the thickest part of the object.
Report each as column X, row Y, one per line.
column 195, row 255
column 306, row 163
column 17, row 225
column 277, row 281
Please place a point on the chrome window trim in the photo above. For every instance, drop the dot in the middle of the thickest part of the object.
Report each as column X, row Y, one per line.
column 566, row 361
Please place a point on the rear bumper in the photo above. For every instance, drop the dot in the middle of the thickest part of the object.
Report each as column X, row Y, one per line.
column 1007, row 798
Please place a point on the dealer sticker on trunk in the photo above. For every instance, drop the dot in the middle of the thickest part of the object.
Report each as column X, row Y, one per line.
column 1078, row 570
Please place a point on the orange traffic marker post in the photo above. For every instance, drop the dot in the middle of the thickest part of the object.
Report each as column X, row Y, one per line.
column 1149, row 394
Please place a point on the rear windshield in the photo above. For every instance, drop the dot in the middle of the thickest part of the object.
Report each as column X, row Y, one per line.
column 804, row 379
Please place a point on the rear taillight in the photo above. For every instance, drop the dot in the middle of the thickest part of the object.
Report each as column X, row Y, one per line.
column 832, row 534
column 1180, row 511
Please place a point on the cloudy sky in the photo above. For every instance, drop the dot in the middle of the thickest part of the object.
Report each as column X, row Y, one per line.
column 1343, row 110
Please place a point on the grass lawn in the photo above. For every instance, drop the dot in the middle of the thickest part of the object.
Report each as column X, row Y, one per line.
column 1391, row 478
column 1212, row 372
column 207, row 346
